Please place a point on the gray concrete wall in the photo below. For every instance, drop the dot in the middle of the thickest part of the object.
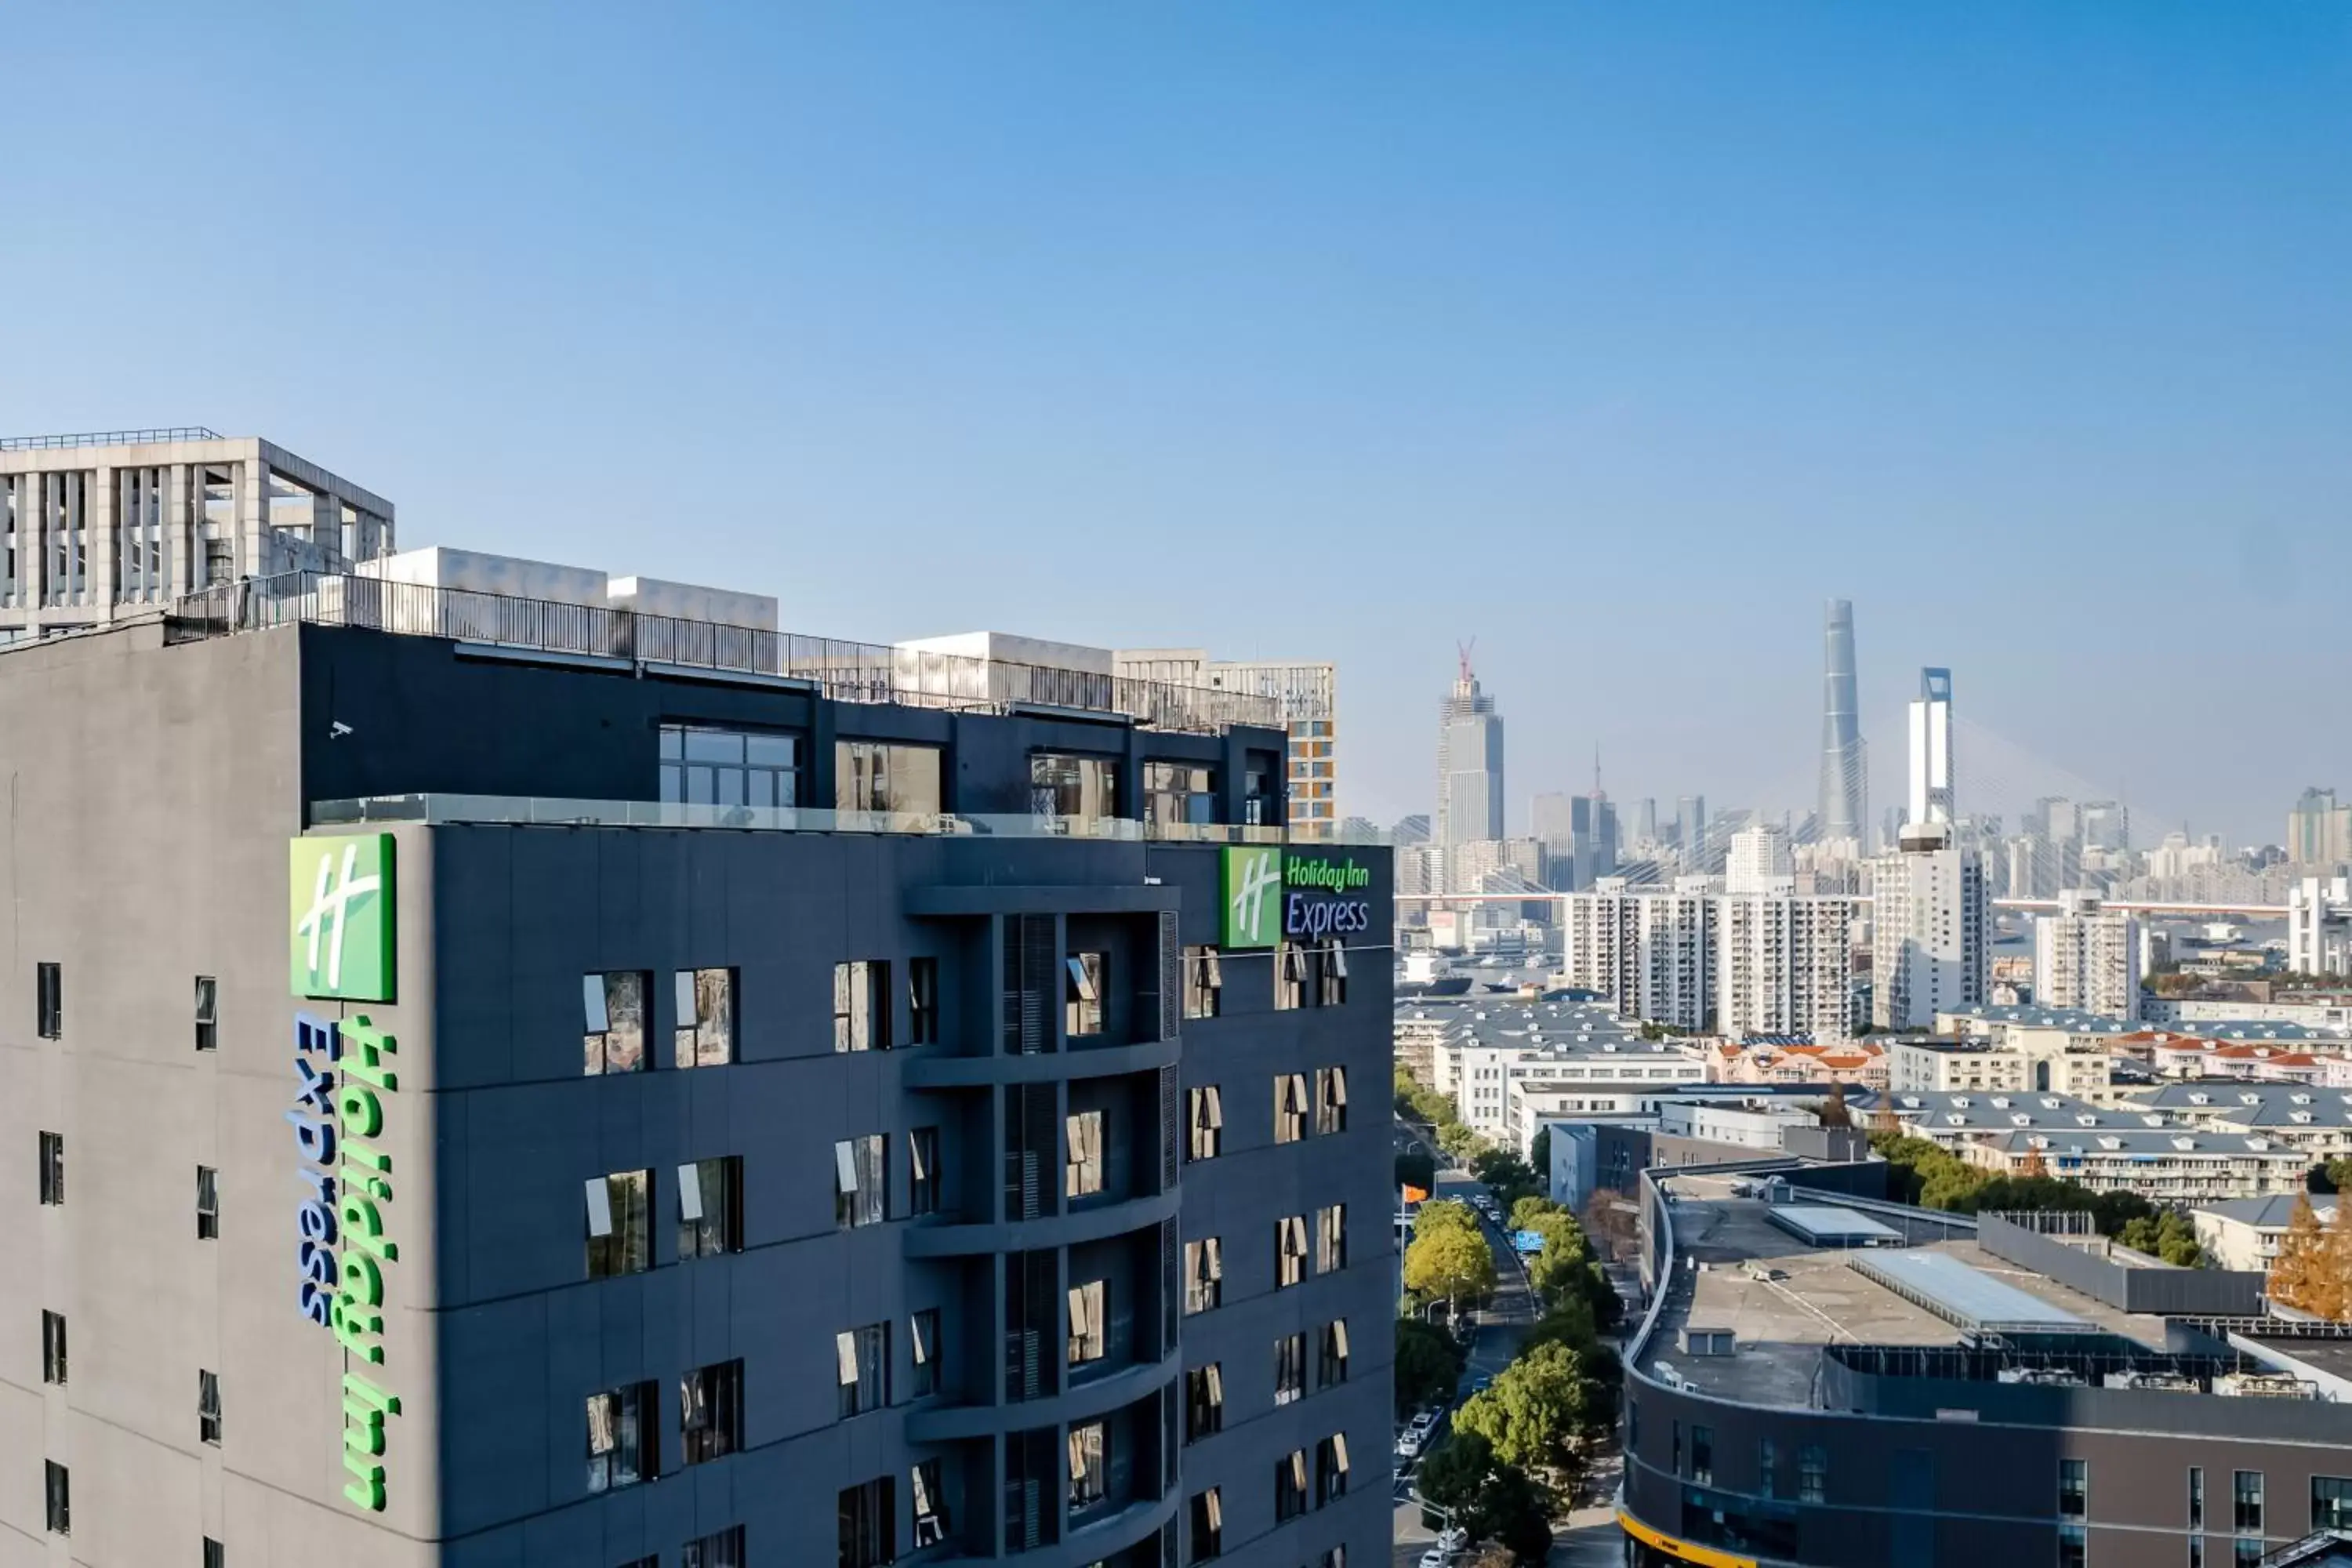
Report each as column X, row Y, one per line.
column 2215, row 1292
column 148, row 793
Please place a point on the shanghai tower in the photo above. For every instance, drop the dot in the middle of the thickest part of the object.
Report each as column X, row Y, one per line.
column 1844, row 805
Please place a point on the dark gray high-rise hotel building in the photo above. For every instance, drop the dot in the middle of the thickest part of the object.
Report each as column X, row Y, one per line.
column 517, row 1085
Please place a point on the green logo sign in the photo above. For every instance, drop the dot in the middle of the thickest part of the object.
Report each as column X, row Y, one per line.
column 1252, row 893
column 340, row 904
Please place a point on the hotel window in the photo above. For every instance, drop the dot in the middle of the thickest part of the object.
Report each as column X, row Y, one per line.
column 724, row 1550
column 923, row 1170
column 879, row 777
column 215, row 1556
column 1703, row 1454
column 613, row 1033
column 1289, row 1107
column 1330, row 1100
column 923, row 1330
column 2073, row 1487
column 711, row 1412
column 620, row 1233
column 207, row 1013
column 1205, row 1115
column 1290, row 1486
column 53, row 1348
column 1813, row 1473
column 1331, row 1239
column 2246, row 1495
column 1067, row 788
column 1289, row 976
column 53, row 1168
column 1204, row 1402
column 869, row 1524
column 1082, row 1173
column 923, row 1002
column 1331, row 1469
column 49, row 1001
column 1082, row 994
column 1205, row 1520
column 208, row 1408
column 861, row 1006
column 207, row 1203
column 2073, row 1547
column 1332, row 1369
column 1204, row 1274
column 861, row 1360
column 2196, row 1497
column 2331, row 1502
column 1767, row 1468
column 728, row 767
column 1289, row 1368
column 1290, row 1251
column 1089, row 1471
column 621, row 1437
column 1331, row 967
column 930, row 1504
column 1204, row 983
column 711, row 1207
column 860, row 1187
column 2248, row 1552
column 1178, row 794
column 705, row 1017
column 59, row 1493
column 1086, row 1343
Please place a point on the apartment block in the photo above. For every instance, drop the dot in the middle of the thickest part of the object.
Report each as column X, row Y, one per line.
column 481, row 1102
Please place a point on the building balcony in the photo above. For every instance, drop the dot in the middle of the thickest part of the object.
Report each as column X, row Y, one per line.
column 962, row 1239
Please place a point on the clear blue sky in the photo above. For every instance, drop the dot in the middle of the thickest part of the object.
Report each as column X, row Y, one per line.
column 1617, row 336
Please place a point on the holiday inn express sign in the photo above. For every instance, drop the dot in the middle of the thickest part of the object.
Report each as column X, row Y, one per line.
column 1272, row 894
column 341, row 899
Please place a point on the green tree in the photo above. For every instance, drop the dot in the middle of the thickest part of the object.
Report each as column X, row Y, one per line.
column 1428, row 1365
column 1448, row 1261
column 1529, row 1211
column 1539, row 1153
column 2336, row 1176
column 1568, row 1322
column 1490, row 1501
column 1443, row 1214
column 1506, row 1172
column 1535, row 1409
column 1414, row 1168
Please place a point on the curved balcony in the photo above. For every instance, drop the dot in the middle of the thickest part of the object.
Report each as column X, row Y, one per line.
column 1089, row 1400
column 1092, row 1541
column 1036, row 1235
column 1041, row 1066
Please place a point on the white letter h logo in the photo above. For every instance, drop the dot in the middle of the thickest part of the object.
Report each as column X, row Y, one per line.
column 331, row 904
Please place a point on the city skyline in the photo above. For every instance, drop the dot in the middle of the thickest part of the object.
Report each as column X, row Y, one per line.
column 2022, row 332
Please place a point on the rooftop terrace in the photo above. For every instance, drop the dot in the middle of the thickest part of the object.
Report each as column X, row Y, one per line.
column 629, row 639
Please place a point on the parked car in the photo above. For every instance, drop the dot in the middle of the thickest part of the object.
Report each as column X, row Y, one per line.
column 1436, row 1557
column 1408, row 1443
column 1424, row 1423
column 1481, row 1383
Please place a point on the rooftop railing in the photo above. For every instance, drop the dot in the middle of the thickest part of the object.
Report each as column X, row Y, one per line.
column 843, row 672
column 110, row 439
column 548, row 811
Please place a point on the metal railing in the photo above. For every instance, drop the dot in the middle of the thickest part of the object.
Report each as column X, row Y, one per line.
column 843, row 672
column 553, row 812
column 110, row 439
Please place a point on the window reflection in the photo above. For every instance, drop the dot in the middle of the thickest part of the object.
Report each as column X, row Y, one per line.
column 1065, row 787
column 702, row 767
column 1178, row 794
column 874, row 775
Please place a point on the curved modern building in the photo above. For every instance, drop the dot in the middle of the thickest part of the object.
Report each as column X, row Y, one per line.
column 1851, row 1387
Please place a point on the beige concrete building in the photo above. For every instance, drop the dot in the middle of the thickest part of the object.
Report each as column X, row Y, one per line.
column 102, row 527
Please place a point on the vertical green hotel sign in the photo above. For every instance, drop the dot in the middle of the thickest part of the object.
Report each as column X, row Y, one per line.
column 341, row 899
column 340, row 922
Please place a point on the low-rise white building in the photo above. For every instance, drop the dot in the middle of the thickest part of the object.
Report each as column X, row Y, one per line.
column 2244, row 1233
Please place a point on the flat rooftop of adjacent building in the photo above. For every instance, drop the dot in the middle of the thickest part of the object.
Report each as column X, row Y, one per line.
column 1783, row 1325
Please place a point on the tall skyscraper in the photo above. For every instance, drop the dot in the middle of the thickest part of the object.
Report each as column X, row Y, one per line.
column 1931, row 749
column 1469, row 762
column 1845, row 770
column 1929, row 905
column 1690, row 825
